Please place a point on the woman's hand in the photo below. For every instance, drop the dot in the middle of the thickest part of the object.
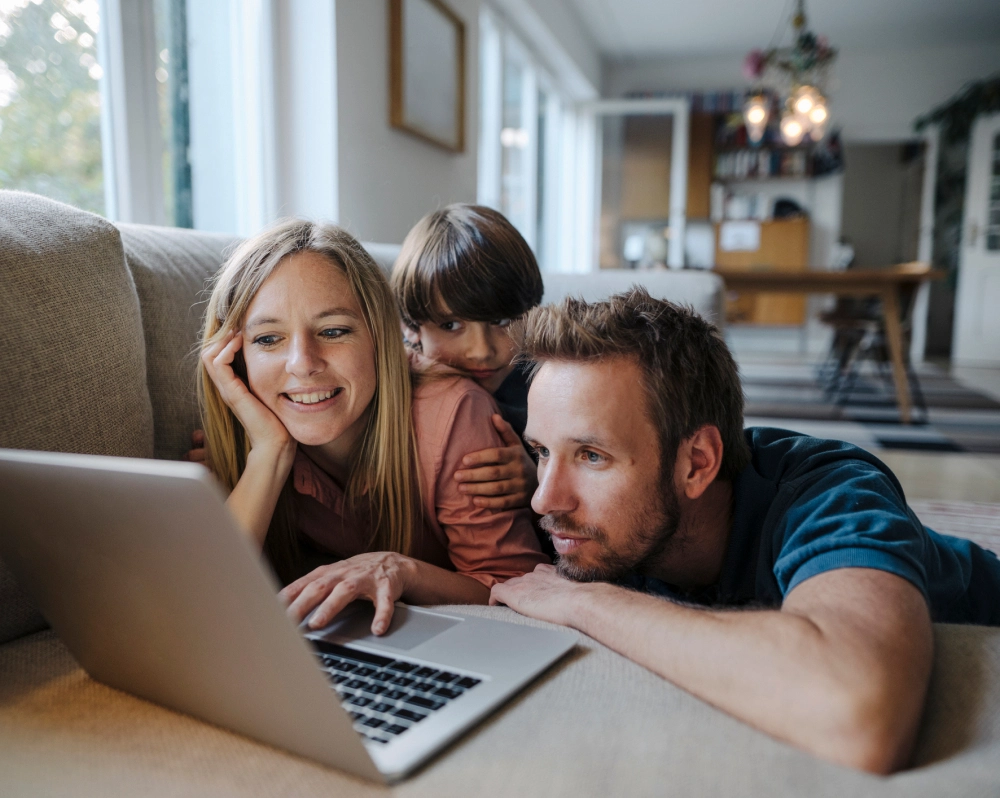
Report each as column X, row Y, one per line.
column 264, row 428
column 381, row 577
column 198, row 453
column 501, row 478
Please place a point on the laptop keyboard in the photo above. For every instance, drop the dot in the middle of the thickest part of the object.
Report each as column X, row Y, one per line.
column 387, row 696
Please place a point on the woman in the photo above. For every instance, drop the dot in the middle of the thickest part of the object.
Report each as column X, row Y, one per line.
column 311, row 422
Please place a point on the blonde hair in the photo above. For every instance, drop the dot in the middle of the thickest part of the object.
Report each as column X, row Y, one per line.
column 384, row 469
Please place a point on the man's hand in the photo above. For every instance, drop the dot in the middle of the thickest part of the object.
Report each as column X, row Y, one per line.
column 381, row 577
column 502, row 478
column 541, row 594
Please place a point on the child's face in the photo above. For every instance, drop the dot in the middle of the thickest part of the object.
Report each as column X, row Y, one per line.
column 482, row 348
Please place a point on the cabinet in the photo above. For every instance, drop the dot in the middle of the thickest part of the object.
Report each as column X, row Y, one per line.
column 784, row 246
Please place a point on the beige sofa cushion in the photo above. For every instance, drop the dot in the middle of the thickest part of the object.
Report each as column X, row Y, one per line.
column 594, row 725
column 73, row 365
column 171, row 267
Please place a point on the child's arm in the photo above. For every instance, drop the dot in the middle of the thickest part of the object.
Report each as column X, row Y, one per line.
column 198, row 452
column 502, row 478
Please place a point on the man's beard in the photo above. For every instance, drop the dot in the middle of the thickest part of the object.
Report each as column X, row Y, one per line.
column 650, row 531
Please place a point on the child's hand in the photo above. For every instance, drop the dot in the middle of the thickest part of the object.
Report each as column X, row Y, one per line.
column 198, row 453
column 501, row 478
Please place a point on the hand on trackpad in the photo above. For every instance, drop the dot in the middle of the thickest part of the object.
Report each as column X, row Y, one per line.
column 407, row 630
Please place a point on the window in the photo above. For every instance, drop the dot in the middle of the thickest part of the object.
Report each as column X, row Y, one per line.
column 530, row 145
column 50, row 100
column 79, row 118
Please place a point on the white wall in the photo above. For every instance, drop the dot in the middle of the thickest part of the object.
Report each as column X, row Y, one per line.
column 875, row 96
column 389, row 179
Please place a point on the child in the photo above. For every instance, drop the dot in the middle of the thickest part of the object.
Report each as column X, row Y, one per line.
column 463, row 274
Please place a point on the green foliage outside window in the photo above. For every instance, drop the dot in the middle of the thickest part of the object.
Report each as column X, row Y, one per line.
column 50, row 106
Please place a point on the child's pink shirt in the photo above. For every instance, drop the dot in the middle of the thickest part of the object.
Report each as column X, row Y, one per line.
column 451, row 416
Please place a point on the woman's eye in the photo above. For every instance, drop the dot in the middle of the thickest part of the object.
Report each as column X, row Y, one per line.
column 334, row 332
column 451, row 326
column 265, row 340
column 501, row 322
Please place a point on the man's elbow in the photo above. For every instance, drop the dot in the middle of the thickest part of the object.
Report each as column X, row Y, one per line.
column 874, row 734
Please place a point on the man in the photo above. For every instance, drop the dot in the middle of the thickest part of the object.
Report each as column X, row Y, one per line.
column 651, row 490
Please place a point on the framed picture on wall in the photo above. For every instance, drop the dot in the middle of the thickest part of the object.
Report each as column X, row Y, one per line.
column 427, row 72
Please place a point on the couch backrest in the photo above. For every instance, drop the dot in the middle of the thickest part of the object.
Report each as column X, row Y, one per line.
column 171, row 268
column 73, row 366
column 702, row 290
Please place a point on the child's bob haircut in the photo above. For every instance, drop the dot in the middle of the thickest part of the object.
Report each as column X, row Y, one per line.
column 465, row 262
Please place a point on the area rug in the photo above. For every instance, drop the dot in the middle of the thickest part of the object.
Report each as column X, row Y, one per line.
column 954, row 418
column 977, row 521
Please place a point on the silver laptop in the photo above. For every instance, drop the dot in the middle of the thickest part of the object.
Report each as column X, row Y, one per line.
column 145, row 576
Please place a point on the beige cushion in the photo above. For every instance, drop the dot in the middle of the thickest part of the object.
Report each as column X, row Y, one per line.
column 171, row 267
column 73, row 363
column 596, row 724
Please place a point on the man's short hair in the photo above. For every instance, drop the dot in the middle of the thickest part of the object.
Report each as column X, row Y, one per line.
column 469, row 259
column 690, row 376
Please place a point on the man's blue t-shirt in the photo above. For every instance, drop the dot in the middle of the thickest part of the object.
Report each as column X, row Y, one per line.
column 805, row 505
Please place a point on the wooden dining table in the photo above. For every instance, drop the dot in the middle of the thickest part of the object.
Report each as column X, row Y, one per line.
column 894, row 286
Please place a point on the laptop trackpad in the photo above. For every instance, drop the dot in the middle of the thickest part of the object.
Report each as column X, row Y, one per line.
column 407, row 630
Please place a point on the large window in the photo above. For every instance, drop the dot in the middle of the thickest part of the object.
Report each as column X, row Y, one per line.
column 50, row 100
column 93, row 105
column 537, row 161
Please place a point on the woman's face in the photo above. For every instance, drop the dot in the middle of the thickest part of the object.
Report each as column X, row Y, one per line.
column 309, row 356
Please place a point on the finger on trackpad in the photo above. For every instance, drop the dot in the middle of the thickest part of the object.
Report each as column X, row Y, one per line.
column 407, row 629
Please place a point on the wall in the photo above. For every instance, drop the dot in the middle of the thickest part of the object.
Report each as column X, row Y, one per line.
column 875, row 96
column 881, row 203
column 387, row 178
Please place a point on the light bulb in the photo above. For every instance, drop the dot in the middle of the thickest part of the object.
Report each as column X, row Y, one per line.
column 755, row 115
column 818, row 114
column 791, row 130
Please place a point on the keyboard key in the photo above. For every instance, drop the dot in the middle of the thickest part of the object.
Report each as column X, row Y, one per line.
column 425, row 673
column 346, row 667
column 446, row 678
column 374, row 689
column 340, row 678
column 425, row 687
column 367, row 670
column 396, row 728
column 403, row 681
column 385, row 706
column 406, row 714
column 375, row 739
column 394, row 695
column 426, row 703
column 360, row 701
column 343, row 652
column 467, row 682
column 383, row 676
column 356, row 684
column 373, row 723
column 403, row 667
column 357, row 715
column 444, row 692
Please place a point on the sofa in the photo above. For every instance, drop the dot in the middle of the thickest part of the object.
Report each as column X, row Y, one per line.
column 101, row 321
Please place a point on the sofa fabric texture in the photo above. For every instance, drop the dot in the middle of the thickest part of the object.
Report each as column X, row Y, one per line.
column 74, row 366
column 594, row 725
column 171, row 268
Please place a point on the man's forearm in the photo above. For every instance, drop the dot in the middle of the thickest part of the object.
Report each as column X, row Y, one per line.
column 777, row 671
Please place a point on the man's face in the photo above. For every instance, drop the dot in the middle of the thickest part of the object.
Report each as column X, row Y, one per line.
column 605, row 504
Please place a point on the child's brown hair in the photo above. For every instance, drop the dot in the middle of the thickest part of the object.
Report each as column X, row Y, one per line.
column 466, row 262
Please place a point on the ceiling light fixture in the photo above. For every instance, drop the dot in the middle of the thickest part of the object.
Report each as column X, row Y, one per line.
column 799, row 74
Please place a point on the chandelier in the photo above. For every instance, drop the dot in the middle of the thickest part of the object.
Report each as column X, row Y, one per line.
column 798, row 74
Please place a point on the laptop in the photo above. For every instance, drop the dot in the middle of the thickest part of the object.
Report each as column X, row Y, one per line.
column 148, row 581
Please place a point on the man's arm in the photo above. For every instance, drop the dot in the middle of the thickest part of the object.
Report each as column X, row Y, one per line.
column 841, row 671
